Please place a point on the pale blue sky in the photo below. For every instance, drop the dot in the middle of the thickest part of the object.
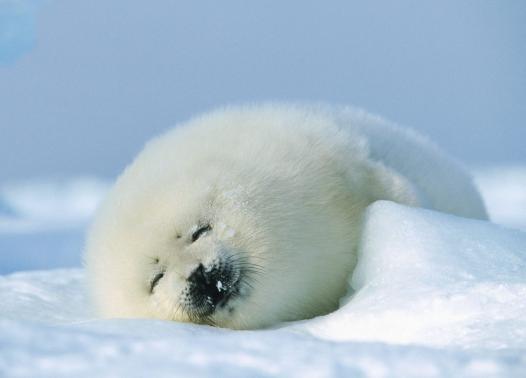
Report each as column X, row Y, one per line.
column 105, row 76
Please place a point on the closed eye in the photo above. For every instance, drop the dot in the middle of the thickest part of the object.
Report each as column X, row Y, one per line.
column 155, row 281
column 200, row 231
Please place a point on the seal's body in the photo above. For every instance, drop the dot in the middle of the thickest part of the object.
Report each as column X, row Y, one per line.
column 248, row 216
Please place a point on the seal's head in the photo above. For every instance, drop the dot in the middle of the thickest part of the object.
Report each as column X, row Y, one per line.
column 240, row 219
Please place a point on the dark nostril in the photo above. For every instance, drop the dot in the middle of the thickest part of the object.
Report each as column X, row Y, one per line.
column 198, row 276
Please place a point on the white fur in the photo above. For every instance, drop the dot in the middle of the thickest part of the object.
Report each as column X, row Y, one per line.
column 284, row 186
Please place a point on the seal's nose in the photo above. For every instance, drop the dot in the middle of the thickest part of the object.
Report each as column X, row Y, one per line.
column 207, row 286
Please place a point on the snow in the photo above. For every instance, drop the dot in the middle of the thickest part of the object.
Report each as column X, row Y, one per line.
column 433, row 296
column 434, row 279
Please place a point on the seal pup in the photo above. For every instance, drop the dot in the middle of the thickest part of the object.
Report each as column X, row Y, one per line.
column 248, row 216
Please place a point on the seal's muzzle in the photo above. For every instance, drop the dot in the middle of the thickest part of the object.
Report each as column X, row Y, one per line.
column 211, row 288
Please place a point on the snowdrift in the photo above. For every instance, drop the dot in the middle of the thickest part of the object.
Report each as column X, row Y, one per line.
column 432, row 295
column 435, row 279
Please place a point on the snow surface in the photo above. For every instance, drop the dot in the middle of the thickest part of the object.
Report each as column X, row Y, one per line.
column 433, row 295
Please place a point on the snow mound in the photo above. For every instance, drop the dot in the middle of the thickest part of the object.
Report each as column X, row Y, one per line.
column 434, row 295
column 430, row 278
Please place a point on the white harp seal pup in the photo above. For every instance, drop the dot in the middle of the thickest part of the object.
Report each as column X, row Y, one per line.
column 250, row 215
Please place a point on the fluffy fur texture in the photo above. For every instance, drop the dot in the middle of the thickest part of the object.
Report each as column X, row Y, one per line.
column 262, row 203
